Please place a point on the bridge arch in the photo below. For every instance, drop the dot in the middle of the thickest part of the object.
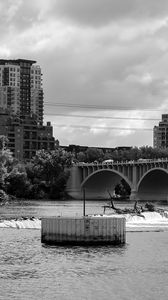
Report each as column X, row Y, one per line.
column 99, row 182
column 153, row 185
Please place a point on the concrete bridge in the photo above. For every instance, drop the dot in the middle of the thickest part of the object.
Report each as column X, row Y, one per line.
column 148, row 179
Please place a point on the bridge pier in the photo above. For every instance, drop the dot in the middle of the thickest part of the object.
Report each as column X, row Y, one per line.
column 73, row 187
column 134, row 192
column 134, row 195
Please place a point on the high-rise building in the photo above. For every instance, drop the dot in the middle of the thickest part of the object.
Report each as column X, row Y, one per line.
column 21, row 89
column 160, row 133
column 36, row 104
column 26, row 136
column 21, row 108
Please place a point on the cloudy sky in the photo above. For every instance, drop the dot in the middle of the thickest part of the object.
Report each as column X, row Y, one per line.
column 104, row 65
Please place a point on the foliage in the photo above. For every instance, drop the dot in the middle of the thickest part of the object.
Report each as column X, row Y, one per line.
column 122, row 188
column 150, row 206
column 81, row 156
column 93, row 154
column 44, row 176
column 143, row 152
column 49, row 171
column 17, row 183
column 3, row 142
column 3, row 196
column 6, row 160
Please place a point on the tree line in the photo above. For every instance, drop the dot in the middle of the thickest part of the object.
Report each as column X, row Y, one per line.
column 134, row 153
column 46, row 174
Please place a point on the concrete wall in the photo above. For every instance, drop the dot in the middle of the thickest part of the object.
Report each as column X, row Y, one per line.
column 83, row 230
column 73, row 187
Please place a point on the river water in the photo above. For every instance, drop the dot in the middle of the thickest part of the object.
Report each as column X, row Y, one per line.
column 30, row 270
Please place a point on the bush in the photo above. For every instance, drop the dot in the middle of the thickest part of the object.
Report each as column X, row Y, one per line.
column 17, row 184
column 150, row 206
column 35, row 192
column 3, row 196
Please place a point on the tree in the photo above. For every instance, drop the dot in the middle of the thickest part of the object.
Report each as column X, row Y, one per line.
column 17, row 182
column 50, row 171
column 93, row 154
column 6, row 160
column 122, row 189
column 81, row 156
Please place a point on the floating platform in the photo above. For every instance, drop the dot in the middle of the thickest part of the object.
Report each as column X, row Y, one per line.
column 83, row 230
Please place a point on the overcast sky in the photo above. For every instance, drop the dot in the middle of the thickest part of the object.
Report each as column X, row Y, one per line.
column 104, row 64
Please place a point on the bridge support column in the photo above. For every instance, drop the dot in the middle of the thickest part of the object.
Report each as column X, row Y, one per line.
column 134, row 195
column 73, row 187
column 134, row 192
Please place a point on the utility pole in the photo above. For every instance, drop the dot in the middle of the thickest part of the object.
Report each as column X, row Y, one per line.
column 84, row 202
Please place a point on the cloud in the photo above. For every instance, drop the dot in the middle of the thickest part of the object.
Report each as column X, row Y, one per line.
column 104, row 53
column 102, row 131
column 100, row 13
column 17, row 14
column 91, row 73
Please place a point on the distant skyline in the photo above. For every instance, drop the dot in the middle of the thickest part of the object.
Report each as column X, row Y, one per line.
column 104, row 64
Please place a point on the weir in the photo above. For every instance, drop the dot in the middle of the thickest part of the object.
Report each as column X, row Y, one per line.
column 151, row 221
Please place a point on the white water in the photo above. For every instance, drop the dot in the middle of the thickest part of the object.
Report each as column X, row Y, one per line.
column 21, row 224
column 150, row 222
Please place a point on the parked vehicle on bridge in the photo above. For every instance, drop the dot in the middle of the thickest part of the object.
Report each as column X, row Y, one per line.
column 130, row 161
column 143, row 160
column 107, row 161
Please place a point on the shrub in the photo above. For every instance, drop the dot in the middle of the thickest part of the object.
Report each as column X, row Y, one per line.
column 3, row 196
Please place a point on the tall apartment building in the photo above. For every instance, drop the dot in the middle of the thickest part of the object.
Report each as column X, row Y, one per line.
column 26, row 136
column 21, row 108
column 160, row 133
column 21, row 89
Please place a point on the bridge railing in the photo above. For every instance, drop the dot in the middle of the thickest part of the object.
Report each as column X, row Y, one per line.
column 123, row 162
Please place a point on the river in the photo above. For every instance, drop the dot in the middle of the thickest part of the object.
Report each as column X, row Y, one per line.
column 30, row 270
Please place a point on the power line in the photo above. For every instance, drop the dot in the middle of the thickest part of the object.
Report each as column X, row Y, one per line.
column 101, row 127
column 105, row 107
column 102, row 117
